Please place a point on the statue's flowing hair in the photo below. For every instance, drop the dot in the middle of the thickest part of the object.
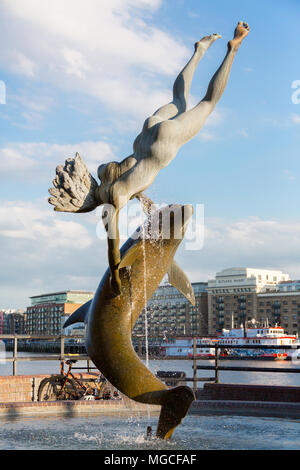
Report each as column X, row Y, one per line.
column 73, row 187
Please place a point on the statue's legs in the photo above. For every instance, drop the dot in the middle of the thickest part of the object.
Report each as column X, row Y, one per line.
column 171, row 135
column 123, row 183
column 192, row 121
column 182, row 84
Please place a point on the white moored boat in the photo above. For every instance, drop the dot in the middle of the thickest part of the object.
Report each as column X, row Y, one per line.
column 183, row 347
column 265, row 336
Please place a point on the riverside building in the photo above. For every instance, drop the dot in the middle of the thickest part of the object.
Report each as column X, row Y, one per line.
column 48, row 312
column 170, row 313
column 236, row 295
column 282, row 307
column 12, row 322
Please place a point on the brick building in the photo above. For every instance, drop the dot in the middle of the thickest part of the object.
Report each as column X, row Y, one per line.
column 170, row 313
column 282, row 308
column 2, row 314
column 48, row 312
column 12, row 322
column 15, row 322
column 234, row 294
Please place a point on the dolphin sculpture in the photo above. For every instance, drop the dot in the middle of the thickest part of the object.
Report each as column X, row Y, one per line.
column 109, row 319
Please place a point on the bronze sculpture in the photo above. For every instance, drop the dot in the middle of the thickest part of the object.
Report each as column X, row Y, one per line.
column 110, row 318
column 111, row 315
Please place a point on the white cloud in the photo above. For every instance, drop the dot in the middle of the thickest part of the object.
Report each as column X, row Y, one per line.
column 37, row 101
column 44, row 251
column 217, row 117
column 251, row 242
column 106, row 49
column 289, row 175
column 12, row 160
column 206, row 136
column 296, row 118
column 32, row 159
column 29, row 106
column 243, row 133
column 248, row 69
column 36, row 222
column 256, row 237
column 23, row 65
column 75, row 63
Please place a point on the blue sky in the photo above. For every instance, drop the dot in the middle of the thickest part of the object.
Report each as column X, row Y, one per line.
column 84, row 78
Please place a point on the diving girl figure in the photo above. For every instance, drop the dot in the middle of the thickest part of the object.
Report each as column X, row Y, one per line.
column 170, row 127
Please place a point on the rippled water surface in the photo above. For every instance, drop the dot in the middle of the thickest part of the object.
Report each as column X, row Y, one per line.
column 121, row 432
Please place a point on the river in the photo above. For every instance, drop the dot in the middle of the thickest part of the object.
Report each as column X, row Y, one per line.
column 270, row 378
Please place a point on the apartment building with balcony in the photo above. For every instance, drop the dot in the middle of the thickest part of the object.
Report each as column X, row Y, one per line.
column 282, row 306
column 47, row 312
column 233, row 296
column 170, row 313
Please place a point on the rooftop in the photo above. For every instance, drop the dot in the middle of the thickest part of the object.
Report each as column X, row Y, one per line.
column 63, row 292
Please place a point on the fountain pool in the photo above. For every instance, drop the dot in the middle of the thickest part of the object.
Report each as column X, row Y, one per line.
column 121, row 432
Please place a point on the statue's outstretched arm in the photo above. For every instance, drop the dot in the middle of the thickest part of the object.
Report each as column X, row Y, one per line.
column 74, row 187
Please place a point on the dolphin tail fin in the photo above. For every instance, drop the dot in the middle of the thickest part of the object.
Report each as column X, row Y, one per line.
column 79, row 315
column 176, row 405
column 182, row 283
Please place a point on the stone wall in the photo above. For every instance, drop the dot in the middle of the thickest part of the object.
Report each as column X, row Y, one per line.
column 245, row 392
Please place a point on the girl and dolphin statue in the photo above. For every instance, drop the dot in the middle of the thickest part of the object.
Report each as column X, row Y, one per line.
column 137, row 269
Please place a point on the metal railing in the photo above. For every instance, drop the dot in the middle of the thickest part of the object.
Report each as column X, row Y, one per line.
column 195, row 379
column 53, row 357
column 217, row 368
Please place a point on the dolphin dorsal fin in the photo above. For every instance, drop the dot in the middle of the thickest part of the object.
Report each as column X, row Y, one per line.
column 79, row 315
column 182, row 283
column 131, row 256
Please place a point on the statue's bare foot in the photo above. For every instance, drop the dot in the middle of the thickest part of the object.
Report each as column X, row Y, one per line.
column 206, row 42
column 241, row 31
